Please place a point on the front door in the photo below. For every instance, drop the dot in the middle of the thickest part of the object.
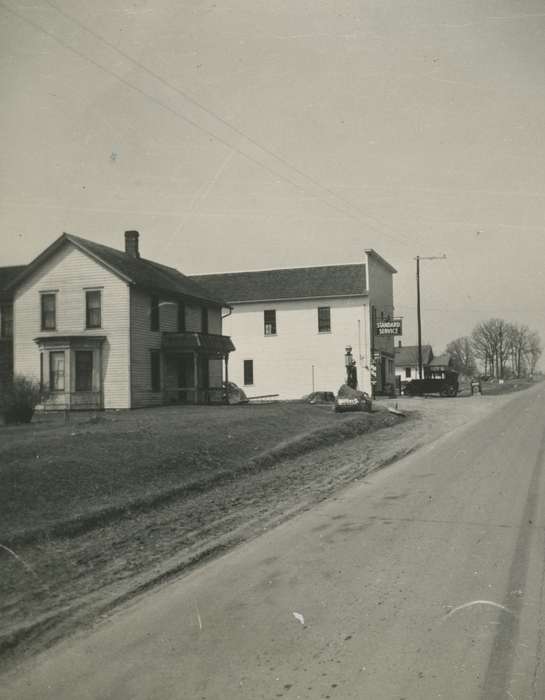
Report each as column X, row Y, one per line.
column 204, row 379
column 186, row 378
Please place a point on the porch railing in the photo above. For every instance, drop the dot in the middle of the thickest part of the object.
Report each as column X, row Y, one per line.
column 73, row 401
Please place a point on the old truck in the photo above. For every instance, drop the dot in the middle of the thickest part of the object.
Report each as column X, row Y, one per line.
column 443, row 382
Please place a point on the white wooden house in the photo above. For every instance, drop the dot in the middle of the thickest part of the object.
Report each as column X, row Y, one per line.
column 406, row 363
column 292, row 326
column 106, row 328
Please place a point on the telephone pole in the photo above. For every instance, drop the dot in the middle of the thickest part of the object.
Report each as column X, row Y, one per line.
column 418, row 314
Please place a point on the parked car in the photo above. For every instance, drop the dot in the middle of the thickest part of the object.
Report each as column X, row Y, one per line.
column 444, row 383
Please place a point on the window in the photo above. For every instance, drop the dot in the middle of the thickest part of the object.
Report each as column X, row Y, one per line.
column 49, row 312
column 407, row 372
column 6, row 321
column 56, row 371
column 248, row 372
column 93, row 314
column 155, row 370
column 324, row 319
column 204, row 320
column 270, row 322
column 84, row 370
column 154, row 317
column 181, row 317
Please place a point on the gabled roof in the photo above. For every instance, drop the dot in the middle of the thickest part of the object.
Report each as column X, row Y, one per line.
column 407, row 355
column 7, row 275
column 135, row 271
column 287, row 283
column 444, row 360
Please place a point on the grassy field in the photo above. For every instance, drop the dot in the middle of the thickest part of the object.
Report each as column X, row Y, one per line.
column 494, row 388
column 59, row 478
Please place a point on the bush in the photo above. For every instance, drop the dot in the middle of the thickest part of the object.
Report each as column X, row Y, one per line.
column 18, row 401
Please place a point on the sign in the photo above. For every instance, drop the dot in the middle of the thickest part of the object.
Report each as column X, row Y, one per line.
column 393, row 327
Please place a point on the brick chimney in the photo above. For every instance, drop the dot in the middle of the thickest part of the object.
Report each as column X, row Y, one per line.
column 131, row 243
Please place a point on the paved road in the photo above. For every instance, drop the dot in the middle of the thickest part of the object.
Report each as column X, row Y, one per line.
column 387, row 579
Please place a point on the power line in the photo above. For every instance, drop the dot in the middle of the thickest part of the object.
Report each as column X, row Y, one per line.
column 218, row 117
column 194, row 123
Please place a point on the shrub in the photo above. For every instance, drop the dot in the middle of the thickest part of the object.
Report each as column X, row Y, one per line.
column 19, row 399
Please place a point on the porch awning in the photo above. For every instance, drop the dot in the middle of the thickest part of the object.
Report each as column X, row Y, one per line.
column 207, row 344
column 70, row 340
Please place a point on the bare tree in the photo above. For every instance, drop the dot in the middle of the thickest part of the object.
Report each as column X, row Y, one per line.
column 462, row 356
column 490, row 342
column 519, row 347
column 534, row 350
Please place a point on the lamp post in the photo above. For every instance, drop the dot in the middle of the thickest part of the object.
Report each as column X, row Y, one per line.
column 418, row 314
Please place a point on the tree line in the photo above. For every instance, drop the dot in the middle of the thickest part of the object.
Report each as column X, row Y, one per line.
column 497, row 348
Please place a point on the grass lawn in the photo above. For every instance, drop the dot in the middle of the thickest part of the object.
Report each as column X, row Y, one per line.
column 55, row 473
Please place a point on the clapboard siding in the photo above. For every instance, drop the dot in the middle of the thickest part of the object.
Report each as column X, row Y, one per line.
column 143, row 341
column 69, row 272
column 299, row 358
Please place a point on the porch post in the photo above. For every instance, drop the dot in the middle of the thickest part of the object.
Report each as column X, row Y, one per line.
column 196, row 377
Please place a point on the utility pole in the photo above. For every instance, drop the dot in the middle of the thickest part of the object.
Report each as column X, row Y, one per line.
column 418, row 314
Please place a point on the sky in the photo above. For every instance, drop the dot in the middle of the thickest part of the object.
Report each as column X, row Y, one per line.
column 255, row 134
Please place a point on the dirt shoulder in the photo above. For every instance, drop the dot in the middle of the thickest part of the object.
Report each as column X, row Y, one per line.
column 53, row 586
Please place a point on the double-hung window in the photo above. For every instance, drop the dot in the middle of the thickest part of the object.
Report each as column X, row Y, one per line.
column 204, row 320
column 181, row 317
column 84, row 370
column 93, row 309
column 56, row 371
column 248, row 372
column 49, row 312
column 269, row 319
column 6, row 321
column 324, row 319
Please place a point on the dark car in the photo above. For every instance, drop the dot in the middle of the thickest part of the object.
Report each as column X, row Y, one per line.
column 444, row 383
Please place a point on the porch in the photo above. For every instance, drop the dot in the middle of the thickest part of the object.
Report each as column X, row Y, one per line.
column 194, row 367
column 71, row 372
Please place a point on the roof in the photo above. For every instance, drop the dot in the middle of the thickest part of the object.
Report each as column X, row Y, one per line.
column 444, row 360
column 407, row 355
column 288, row 283
column 136, row 271
column 200, row 342
column 7, row 275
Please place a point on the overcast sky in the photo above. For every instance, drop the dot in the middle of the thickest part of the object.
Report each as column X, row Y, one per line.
column 252, row 134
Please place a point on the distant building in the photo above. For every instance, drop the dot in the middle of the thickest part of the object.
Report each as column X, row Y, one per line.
column 7, row 275
column 292, row 326
column 406, row 362
column 105, row 328
column 440, row 363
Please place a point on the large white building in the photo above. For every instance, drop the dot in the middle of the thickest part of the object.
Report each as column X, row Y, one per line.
column 105, row 328
column 291, row 326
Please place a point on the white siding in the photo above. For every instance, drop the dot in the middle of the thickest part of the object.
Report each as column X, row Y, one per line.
column 69, row 272
column 283, row 364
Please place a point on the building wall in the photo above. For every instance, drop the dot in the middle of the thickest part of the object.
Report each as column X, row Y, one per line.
column 69, row 272
column 381, row 296
column 143, row 341
column 285, row 364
